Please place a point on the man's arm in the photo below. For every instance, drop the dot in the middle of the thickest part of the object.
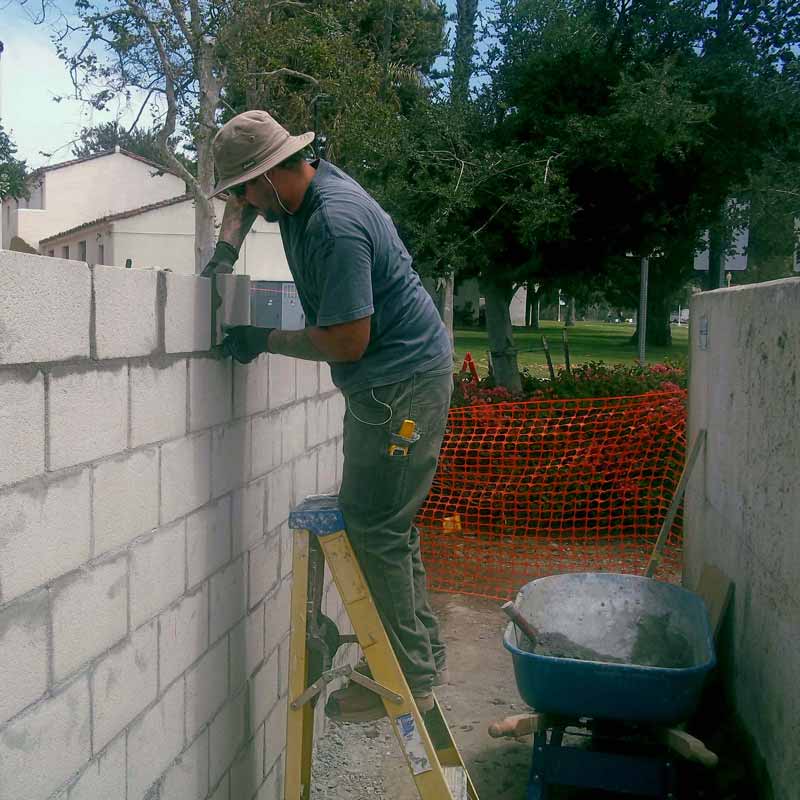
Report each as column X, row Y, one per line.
column 344, row 342
column 237, row 220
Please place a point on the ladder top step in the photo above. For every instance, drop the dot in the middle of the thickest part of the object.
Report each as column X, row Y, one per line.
column 319, row 514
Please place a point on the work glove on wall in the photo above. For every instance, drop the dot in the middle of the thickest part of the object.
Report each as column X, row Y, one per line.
column 222, row 261
column 244, row 343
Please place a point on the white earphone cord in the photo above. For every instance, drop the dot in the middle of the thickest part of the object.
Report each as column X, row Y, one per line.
column 375, row 424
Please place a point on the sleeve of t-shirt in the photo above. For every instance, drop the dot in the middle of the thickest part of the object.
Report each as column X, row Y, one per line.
column 343, row 264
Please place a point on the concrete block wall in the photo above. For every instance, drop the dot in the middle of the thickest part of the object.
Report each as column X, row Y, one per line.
column 145, row 556
column 743, row 505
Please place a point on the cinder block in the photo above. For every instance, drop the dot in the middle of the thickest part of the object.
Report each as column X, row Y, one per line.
column 182, row 635
column 275, row 730
column 235, row 309
column 158, row 572
column 42, row 748
column 227, row 598
column 88, row 413
column 45, row 532
column 279, row 496
column 90, row 614
column 221, row 792
column 250, row 387
column 208, row 540
column 104, row 778
column 187, row 778
column 21, row 424
column 44, row 305
column 247, row 647
column 125, row 312
column 326, row 468
column 247, row 771
column 124, row 683
column 210, row 392
column 158, row 401
column 316, row 422
column 282, row 388
column 305, row 477
column 287, row 550
column 124, row 499
column 154, row 741
column 264, row 568
column 336, row 412
column 248, row 515
column 23, row 653
column 293, row 431
column 230, row 457
column 271, row 788
column 227, row 735
column 278, row 606
column 307, row 379
column 206, row 688
column 283, row 667
column 187, row 313
column 326, row 383
column 263, row 691
column 185, row 475
column 266, row 443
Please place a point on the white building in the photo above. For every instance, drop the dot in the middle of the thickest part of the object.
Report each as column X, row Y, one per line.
column 161, row 235
column 115, row 207
column 69, row 194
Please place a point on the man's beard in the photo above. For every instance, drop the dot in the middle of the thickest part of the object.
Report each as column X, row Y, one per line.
column 270, row 216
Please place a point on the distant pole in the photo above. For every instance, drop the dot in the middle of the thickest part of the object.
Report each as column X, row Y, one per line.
column 558, row 305
column 642, row 321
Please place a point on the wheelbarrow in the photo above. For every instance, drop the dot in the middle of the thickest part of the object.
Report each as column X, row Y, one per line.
column 622, row 659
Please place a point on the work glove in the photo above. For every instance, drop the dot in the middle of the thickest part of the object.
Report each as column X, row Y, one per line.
column 243, row 343
column 222, row 261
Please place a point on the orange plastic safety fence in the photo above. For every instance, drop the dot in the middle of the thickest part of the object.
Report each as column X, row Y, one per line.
column 537, row 488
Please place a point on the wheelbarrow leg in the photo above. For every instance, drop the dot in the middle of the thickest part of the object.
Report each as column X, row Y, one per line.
column 537, row 786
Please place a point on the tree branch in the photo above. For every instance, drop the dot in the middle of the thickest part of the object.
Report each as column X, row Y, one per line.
column 284, row 71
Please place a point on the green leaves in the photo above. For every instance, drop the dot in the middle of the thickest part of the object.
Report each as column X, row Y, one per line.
column 13, row 172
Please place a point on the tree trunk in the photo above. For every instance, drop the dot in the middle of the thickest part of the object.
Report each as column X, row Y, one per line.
column 659, row 308
column 204, row 218
column 446, row 294
column 464, row 49
column 501, row 337
column 569, row 317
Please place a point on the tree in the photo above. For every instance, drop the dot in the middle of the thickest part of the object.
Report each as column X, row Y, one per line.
column 164, row 52
column 13, row 171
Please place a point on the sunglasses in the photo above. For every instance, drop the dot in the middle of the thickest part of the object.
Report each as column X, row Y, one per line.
column 241, row 188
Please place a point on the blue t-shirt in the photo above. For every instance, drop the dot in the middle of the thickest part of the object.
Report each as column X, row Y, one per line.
column 348, row 262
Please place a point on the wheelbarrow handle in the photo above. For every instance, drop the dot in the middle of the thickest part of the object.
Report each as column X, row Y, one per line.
column 515, row 615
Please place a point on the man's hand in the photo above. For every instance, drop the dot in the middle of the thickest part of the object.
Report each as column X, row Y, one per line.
column 222, row 261
column 244, row 343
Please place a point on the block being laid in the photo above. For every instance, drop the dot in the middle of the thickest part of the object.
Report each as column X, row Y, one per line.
column 234, row 290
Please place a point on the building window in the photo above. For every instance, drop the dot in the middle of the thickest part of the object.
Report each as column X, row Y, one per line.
column 51, row 253
column 101, row 254
column 82, row 251
column 65, row 251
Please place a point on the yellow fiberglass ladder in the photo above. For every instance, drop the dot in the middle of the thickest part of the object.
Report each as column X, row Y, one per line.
column 430, row 751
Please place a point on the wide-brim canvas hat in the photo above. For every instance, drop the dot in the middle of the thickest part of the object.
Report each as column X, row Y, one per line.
column 251, row 144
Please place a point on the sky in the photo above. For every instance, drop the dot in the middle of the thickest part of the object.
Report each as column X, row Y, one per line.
column 32, row 75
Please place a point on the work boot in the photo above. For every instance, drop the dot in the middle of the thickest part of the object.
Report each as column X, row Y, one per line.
column 442, row 673
column 354, row 703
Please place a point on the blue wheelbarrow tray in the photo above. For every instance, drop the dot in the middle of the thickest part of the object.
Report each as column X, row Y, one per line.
column 615, row 618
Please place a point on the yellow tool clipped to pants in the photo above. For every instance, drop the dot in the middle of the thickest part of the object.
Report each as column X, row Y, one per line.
column 426, row 741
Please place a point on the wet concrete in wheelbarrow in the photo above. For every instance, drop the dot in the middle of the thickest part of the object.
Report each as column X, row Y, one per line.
column 353, row 762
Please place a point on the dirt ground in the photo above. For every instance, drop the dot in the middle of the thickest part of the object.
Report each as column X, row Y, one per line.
column 355, row 762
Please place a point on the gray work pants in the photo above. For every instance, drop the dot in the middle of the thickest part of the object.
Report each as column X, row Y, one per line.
column 380, row 497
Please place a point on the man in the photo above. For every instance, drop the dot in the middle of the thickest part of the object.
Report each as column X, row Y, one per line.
column 370, row 318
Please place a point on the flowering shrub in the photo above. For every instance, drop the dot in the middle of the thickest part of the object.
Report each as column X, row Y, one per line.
column 594, row 379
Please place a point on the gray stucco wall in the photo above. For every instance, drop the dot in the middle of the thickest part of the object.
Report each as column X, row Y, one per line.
column 743, row 503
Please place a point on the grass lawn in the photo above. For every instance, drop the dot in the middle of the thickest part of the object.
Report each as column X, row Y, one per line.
column 588, row 341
